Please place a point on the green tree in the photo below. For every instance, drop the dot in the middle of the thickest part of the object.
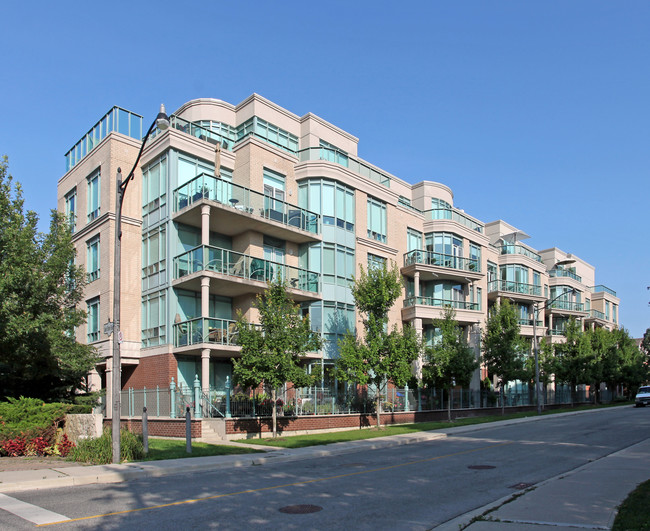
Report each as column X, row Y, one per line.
column 271, row 353
column 645, row 346
column 573, row 358
column 634, row 363
column 380, row 356
column 40, row 289
column 450, row 361
column 503, row 347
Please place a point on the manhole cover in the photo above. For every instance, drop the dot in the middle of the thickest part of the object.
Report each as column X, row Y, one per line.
column 521, row 486
column 481, row 467
column 300, row 509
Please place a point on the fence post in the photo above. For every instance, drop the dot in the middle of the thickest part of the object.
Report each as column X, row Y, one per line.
column 144, row 404
column 419, row 398
column 157, row 402
column 172, row 394
column 188, row 430
column 145, row 430
column 197, row 397
column 228, row 397
column 406, row 397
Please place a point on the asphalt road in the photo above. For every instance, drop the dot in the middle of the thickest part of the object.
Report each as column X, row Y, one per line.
column 418, row 486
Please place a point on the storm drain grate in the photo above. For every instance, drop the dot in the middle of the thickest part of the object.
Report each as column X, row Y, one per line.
column 481, row 467
column 300, row 509
column 521, row 486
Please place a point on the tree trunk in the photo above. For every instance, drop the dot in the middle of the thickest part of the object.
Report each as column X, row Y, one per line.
column 274, row 413
column 378, row 408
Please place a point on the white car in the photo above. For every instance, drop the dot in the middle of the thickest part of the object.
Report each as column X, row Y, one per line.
column 642, row 396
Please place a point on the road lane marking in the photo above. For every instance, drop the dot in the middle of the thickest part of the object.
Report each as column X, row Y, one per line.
column 284, row 486
column 32, row 513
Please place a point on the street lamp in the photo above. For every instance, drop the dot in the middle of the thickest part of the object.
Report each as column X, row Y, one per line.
column 536, row 310
column 162, row 122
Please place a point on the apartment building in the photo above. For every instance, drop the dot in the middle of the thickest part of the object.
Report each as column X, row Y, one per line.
column 232, row 196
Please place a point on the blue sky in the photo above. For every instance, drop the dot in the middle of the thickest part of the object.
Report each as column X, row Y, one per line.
column 535, row 112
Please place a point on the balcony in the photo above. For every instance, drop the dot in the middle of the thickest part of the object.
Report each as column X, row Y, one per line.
column 205, row 330
column 440, row 303
column 519, row 249
column 431, row 308
column 241, row 209
column 456, row 215
column 232, row 272
column 602, row 289
column 568, row 306
column 530, row 322
column 557, row 273
column 341, row 158
column 595, row 314
column 510, row 286
column 442, row 260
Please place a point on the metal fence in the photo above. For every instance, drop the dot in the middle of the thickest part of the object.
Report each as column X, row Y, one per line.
column 172, row 402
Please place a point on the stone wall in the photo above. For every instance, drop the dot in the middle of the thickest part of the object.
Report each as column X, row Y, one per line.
column 83, row 426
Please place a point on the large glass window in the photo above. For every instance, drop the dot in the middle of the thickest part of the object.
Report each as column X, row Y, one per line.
column 92, row 259
column 154, row 258
column 269, row 133
column 92, row 322
column 338, row 318
column 377, row 224
column 338, row 264
column 154, row 186
column 333, row 200
column 93, row 195
column 274, row 188
column 376, row 261
column 614, row 312
column 154, row 312
column 71, row 208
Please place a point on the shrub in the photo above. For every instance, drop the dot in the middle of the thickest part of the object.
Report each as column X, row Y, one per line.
column 30, row 417
column 14, row 447
column 99, row 451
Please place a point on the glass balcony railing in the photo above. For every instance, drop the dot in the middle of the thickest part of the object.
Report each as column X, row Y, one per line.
column 569, row 306
column 602, row 289
column 514, row 287
column 564, row 273
column 356, row 165
column 440, row 303
column 595, row 314
column 518, row 249
column 231, row 263
column 205, row 330
column 118, row 120
column 556, row 332
column 455, row 215
column 529, row 322
column 199, row 132
column 206, row 186
column 418, row 256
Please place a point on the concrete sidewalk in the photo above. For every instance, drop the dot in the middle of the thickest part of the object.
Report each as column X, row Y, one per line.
column 585, row 498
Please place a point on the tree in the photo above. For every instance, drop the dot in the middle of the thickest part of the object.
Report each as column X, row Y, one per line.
column 450, row 361
column 271, row 353
column 573, row 358
column 634, row 364
column 379, row 356
column 645, row 346
column 503, row 346
column 40, row 289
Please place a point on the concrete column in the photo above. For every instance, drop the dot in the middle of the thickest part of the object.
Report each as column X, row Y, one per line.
column 205, row 370
column 550, row 321
column 205, row 225
column 205, row 296
column 416, row 289
column 419, row 362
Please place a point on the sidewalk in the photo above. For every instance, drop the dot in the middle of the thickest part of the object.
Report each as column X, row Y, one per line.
column 584, row 498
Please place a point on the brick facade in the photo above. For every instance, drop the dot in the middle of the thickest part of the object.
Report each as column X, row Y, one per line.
column 151, row 371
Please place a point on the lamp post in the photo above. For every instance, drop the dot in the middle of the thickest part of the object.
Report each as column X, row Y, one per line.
column 536, row 310
column 162, row 122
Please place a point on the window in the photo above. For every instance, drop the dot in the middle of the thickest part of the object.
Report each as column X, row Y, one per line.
column 607, row 310
column 92, row 322
column 413, row 239
column 338, row 318
column 376, row 219
column 614, row 311
column 269, row 133
column 154, row 187
column 154, row 311
column 333, row 200
column 338, row 264
column 93, row 196
column 376, row 261
column 92, row 259
column 71, row 208
column 154, row 258
column 273, row 191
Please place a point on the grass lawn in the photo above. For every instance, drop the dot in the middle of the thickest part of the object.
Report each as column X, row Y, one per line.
column 634, row 512
column 316, row 439
column 175, row 449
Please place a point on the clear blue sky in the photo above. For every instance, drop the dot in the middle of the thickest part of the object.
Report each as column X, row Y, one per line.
column 535, row 112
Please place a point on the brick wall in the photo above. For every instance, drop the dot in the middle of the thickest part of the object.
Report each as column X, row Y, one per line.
column 152, row 371
column 161, row 427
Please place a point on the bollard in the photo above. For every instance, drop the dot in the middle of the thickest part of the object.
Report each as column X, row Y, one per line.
column 145, row 430
column 188, row 430
column 172, row 393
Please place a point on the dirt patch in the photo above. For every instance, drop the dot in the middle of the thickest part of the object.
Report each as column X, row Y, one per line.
column 12, row 464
